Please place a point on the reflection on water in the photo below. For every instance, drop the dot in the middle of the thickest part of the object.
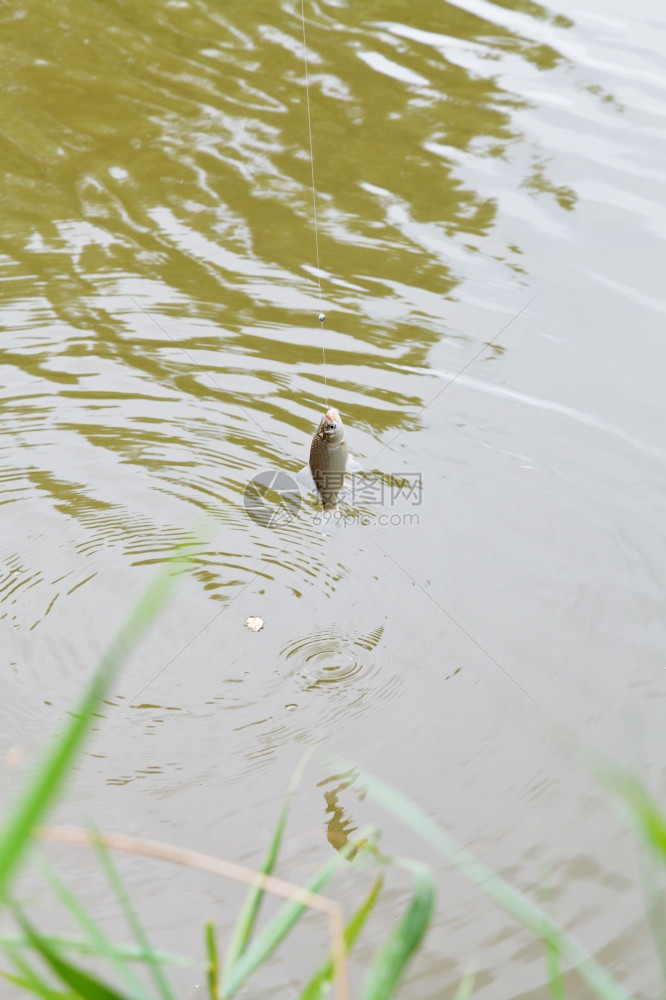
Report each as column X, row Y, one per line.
column 158, row 257
column 160, row 347
column 339, row 826
column 177, row 156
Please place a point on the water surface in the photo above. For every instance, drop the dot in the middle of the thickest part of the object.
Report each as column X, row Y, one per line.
column 490, row 192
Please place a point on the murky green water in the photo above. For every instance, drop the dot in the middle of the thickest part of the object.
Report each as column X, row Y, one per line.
column 490, row 195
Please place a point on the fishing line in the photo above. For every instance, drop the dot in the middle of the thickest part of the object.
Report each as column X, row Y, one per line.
column 205, row 372
column 484, row 347
column 322, row 314
column 459, row 626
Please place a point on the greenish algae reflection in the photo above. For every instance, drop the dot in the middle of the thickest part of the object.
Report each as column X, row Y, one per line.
column 159, row 220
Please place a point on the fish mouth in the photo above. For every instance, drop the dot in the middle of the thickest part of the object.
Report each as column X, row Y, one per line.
column 331, row 421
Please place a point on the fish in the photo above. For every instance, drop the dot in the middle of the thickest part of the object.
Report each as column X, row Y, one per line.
column 324, row 475
column 328, row 459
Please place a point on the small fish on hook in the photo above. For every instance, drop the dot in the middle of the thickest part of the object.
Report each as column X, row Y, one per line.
column 329, row 461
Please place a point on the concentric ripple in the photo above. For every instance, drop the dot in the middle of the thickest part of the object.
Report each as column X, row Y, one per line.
column 328, row 656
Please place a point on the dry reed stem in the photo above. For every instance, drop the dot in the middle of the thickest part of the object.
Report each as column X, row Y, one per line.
column 226, row 869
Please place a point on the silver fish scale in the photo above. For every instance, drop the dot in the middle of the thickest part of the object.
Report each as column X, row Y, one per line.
column 328, row 461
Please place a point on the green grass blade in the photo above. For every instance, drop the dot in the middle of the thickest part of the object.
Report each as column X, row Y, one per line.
column 643, row 811
column 649, row 821
column 247, row 919
column 466, row 985
column 512, row 901
column 82, row 946
column 35, row 986
column 30, row 981
column 277, row 929
column 84, row 986
column 391, row 960
column 101, row 944
column 318, row 985
column 213, row 963
column 555, row 981
column 28, row 986
column 244, row 927
column 31, row 985
column 133, row 921
column 45, row 785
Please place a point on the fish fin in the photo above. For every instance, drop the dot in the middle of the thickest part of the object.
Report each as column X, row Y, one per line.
column 327, row 516
column 305, row 480
column 353, row 465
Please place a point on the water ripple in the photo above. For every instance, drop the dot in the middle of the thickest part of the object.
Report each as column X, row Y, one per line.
column 344, row 666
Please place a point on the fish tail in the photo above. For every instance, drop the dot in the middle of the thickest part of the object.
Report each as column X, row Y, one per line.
column 327, row 517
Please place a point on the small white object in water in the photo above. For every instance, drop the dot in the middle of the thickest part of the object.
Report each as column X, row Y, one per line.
column 256, row 624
